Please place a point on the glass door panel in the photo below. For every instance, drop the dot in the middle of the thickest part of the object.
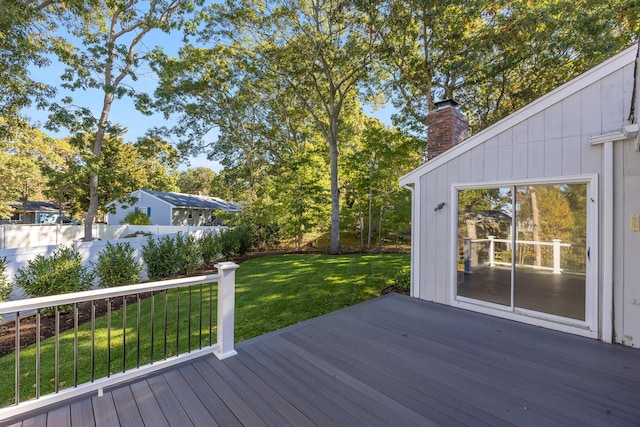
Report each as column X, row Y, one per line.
column 484, row 244
column 550, row 252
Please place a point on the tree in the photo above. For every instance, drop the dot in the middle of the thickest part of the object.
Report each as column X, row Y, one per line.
column 117, row 170
column 109, row 53
column 27, row 29
column 157, row 159
column 24, row 159
column 495, row 56
column 319, row 51
column 197, row 181
column 373, row 168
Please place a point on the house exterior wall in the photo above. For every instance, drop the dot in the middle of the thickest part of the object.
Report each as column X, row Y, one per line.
column 548, row 144
column 199, row 217
column 160, row 211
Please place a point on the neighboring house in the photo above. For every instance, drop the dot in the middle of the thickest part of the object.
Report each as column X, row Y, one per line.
column 560, row 180
column 173, row 208
column 35, row 213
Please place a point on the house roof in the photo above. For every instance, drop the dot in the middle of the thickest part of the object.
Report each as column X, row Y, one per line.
column 35, row 206
column 622, row 59
column 181, row 200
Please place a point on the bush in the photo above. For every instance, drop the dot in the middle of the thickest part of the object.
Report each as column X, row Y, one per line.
column 189, row 254
column 5, row 285
column 117, row 266
column 236, row 241
column 402, row 278
column 160, row 257
column 60, row 273
column 136, row 218
column 210, row 247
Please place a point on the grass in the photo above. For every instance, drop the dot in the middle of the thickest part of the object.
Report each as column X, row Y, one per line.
column 271, row 293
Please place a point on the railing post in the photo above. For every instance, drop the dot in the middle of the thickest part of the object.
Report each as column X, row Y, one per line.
column 492, row 249
column 556, row 256
column 467, row 255
column 226, row 309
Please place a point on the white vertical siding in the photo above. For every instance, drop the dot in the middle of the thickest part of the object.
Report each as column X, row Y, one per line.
column 628, row 248
column 549, row 143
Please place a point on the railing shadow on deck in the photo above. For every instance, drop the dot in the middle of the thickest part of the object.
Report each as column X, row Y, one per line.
column 158, row 324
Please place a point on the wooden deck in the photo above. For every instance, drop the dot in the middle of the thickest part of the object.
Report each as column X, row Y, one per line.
column 394, row 361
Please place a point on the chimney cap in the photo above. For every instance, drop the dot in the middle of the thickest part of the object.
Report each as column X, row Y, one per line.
column 446, row 103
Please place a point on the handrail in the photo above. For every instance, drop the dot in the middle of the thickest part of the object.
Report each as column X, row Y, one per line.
column 223, row 347
column 84, row 296
column 555, row 243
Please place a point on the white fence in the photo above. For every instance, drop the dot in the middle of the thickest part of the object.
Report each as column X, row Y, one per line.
column 27, row 236
column 18, row 257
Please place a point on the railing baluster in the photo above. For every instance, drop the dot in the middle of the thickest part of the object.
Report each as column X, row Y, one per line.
column 200, row 319
column 75, row 345
column 153, row 318
column 177, row 321
column 210, row 313
column 166, row 302
column 57, row 350
column 108, row 337
column 189, row 322
column 138, row 334
column 37, row 354
column 124, row 333
column 17, row 360
column 93, row 340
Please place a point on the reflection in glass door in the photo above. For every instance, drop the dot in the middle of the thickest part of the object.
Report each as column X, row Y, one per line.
column 524, row 247
column 484, row 245
column 551, row 244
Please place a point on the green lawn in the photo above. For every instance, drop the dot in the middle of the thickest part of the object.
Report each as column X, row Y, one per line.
column 271, row 293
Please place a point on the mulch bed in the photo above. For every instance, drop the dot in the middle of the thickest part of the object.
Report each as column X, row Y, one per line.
column 47, row 323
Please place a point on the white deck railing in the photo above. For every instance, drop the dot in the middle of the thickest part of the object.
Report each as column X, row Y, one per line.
column 157, row 294
column 555, row 243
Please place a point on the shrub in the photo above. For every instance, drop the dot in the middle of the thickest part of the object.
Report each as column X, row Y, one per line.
column 60, row 273
column 117, row 266
column 210, row 247
column 189, row 253
column 160, row 257
column 402, row 278
column 5, row 285
column 245, row 238
column 137, row 218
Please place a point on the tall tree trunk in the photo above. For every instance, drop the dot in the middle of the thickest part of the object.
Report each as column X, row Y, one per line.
column 535, row 215
column 335, row 189
column 93, row 178
column 370, row 214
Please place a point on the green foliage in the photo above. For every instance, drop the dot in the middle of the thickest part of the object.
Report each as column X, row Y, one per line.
column 60, row 273
column 188, row 252
column 402, row 278
column 136, row 218
column 117, row 266
column 5, row 285
column 161, row 257
column 167, row 256
column 210, row 246
column 236, row 241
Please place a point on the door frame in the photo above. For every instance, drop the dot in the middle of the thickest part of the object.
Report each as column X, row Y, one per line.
column 590, row 326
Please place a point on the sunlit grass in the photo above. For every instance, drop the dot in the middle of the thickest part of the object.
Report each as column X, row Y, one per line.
column 271, row 293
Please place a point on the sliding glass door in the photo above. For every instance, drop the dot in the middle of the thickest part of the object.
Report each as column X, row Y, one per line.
column 524, row 247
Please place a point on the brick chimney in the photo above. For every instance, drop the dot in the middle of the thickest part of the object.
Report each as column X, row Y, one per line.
column 447, row 126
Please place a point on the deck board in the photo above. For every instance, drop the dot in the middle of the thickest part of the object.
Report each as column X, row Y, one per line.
column 395, row 361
